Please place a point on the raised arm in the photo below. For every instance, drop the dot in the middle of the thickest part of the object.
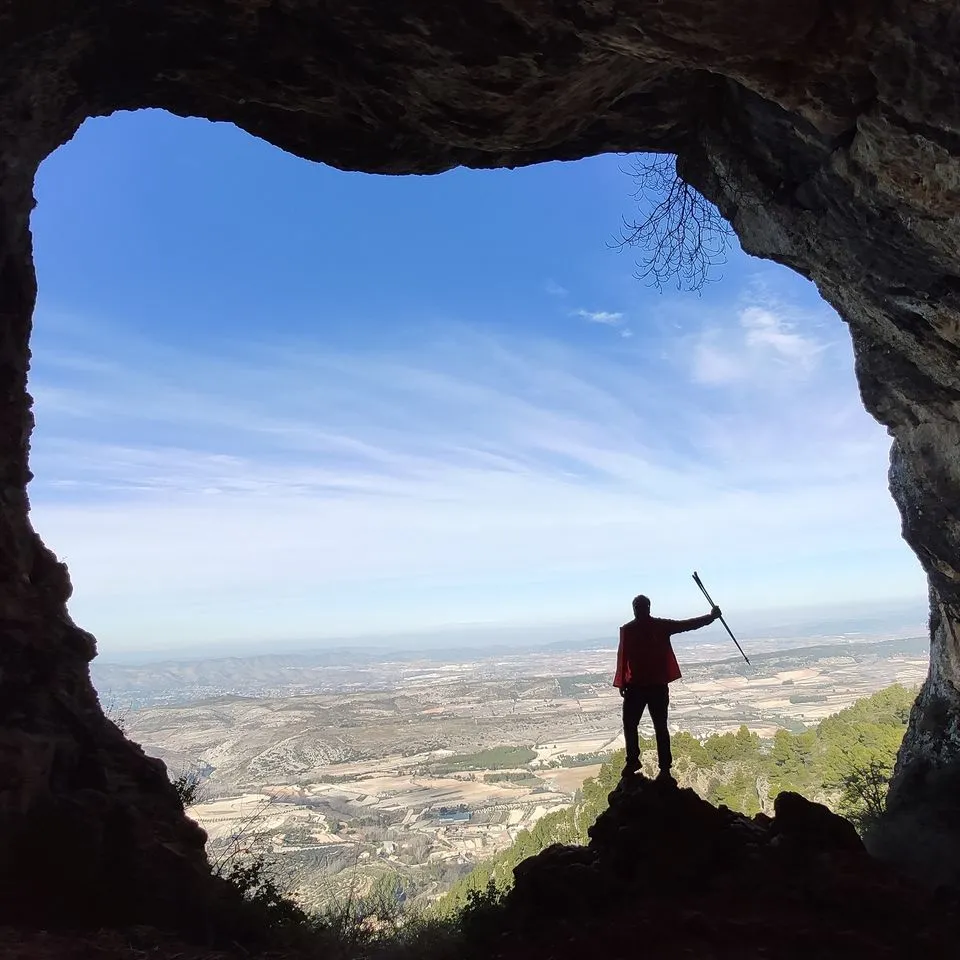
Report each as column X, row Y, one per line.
column 682, row 626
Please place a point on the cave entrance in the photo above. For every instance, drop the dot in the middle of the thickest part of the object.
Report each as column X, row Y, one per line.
column 833, row 152
column 281, row 408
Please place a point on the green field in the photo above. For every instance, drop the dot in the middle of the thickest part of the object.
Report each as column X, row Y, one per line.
column 493, row 758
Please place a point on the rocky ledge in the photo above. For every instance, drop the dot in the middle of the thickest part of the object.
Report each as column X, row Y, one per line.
column 667, row 874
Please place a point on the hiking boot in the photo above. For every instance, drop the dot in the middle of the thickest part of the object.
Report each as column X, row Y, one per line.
column 631, row 766
column 665, row 776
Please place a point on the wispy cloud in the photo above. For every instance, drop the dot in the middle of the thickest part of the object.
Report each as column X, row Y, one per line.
column 555, row 289
column 601, row 316
column 763, row 344
column 288, row 489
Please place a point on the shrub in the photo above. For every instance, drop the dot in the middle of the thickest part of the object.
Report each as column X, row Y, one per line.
column 188, row 788
column 863, row 792
column 477, row 918
column 255, row 881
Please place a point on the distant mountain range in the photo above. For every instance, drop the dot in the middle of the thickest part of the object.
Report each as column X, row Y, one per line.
column 131, row 686
column 470, row 641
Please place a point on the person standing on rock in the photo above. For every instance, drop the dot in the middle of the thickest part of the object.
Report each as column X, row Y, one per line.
column 646, row 665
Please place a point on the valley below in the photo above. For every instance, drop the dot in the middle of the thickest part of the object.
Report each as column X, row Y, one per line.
column 401, row 774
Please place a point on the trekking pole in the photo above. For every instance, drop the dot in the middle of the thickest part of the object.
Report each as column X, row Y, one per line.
column 699, row 582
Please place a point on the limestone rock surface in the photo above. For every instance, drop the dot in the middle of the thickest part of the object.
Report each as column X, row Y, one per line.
column 827, row 131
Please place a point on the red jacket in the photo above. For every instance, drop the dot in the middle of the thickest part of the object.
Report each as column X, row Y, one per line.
column 645, row 655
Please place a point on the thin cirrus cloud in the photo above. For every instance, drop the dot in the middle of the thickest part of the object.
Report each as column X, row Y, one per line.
column 606, row 317
column 288, row 490
column 762, row 343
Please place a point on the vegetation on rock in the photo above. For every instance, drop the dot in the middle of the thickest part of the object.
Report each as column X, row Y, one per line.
column 845, row 763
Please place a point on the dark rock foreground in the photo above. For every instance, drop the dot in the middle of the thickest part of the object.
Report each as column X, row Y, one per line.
column 667, row 874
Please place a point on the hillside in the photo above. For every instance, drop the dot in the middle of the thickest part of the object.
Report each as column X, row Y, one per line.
column 844, row 762
column 667, row 874
column 423, row 781
column 664, row 874
column 640, row 868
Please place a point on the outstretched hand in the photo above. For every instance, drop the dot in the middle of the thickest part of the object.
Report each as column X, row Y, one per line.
column 715, row 613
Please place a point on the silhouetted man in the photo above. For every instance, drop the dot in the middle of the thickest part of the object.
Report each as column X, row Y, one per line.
column 646, row 664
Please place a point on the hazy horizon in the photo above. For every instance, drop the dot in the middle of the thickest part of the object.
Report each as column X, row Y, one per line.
column 843, row 619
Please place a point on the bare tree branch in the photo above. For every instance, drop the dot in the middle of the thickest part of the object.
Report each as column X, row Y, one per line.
column 681, row 234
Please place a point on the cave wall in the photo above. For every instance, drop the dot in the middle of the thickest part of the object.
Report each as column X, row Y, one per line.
column 827, row 132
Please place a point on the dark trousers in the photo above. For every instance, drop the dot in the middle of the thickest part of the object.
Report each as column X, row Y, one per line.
column 656, row 696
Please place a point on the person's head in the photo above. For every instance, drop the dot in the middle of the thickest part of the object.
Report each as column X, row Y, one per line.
column 641, row 606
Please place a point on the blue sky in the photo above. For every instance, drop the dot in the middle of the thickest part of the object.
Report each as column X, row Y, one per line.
column 280, row 402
